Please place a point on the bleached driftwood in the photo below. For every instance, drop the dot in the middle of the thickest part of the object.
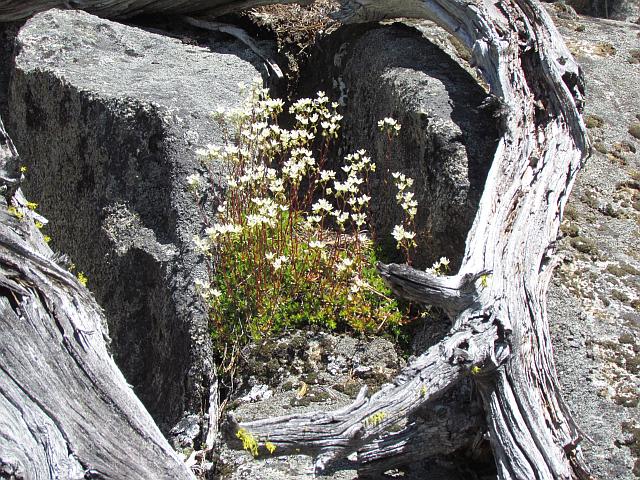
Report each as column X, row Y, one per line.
column 497, row 301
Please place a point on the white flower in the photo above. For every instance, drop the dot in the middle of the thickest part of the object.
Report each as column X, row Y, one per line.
column 400, row 234
column 202, row 244
column 389, row 125
column 341, row 217
column 344, row 264
column 359, row 219
column 277, row 185
column 222, row 229
column 322, row 205
column 278, row 262
column 440, row 267
column 194, row 182
column 326, row 175
column 316, row 244
column 257, row 220
column 363, row 200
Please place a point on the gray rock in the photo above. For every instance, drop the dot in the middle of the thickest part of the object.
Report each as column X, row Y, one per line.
column 446, row 143
column 595, row 295
column 8, row 33
column 108, row 118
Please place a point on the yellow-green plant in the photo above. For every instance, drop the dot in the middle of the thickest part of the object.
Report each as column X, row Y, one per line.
column 288, row 245
column 375, row 419
column 249, row 442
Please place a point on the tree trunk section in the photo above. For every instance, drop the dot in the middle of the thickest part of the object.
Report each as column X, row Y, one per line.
column 66, row 411
column 497, row 300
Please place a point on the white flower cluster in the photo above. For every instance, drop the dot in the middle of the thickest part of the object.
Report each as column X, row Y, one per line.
column 206, row 291
column 344, row 265
column 440, row 267
column 299, row 164
column 404, row 236
column 404, row 197
column 277, row 228
column 389, row 126
column 194, row 182
column 276, row 261
column 222, row 229
column 400, row 234
column 311, row 113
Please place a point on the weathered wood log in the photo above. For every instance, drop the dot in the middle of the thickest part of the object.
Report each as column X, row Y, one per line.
column 12, row 10
column 66, row 411
column 500, row 335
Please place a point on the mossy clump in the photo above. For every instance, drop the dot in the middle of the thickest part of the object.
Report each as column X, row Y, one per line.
column 594, row 121
column 620, row 296
column 622, row 270
column 570, row 213
column 601, row 148
column 610, row 211
column 584, row 245
column 590, row 199
column 569, row 229
column 604, row 49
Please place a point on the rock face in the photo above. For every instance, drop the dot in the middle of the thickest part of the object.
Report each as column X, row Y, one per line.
column 594, row 300
column 447, row 140
column 108, row 118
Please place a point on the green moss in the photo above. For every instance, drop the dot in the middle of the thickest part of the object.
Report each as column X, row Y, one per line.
column 590, row 199
column 626, row 338
column 584, row 245
column 600, row 147
column 570, row 213
column 593, row 121
column 349, row 388
column 604, row 49
column 622, row 270
column 620, row 296
column 570, row 229
column 375, row 419
column 287, row 386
